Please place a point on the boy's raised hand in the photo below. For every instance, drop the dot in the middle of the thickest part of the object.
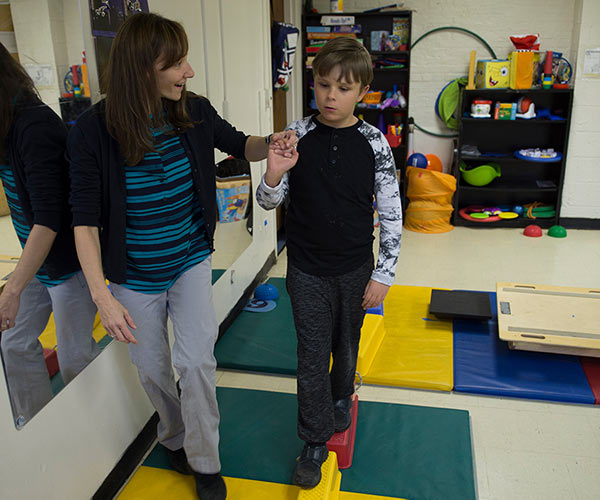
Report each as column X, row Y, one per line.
column 374, row 294
column 278, row 164
column 283, row 143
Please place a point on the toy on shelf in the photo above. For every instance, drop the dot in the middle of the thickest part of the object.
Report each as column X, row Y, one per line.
column 547, row 79
column 539, row 155
column 525, row 108
column 492, row 74
column 505, row 111
column 481, row 175
column 481, row 213
column 394, row 135
column 537, row 210
column 480, row 108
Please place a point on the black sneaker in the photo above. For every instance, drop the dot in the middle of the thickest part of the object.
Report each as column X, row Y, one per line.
column 308, row 468
column 210, row 486
column 342, row 414
column 178, row 461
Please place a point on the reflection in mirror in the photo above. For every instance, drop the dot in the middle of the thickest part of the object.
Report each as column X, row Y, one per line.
column 234, row 224
column 40, row 57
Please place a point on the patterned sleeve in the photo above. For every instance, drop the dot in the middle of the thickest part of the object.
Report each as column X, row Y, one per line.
column 268, row 197
column 387, row 197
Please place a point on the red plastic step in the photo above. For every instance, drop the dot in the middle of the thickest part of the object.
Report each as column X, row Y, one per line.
column 343, row 442
column 51, row 361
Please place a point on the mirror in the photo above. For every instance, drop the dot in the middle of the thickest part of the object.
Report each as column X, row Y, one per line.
column 49, row 56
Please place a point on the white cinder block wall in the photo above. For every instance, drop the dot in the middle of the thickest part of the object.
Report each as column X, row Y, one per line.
column 444, row 56
column 581, row 194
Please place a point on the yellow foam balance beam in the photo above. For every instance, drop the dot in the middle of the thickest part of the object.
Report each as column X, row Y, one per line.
column 329, row 486
column 417, row 348
column 150, row 483
column 371, row 337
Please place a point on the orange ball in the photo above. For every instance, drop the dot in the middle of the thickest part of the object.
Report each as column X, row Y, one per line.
column 434, row 163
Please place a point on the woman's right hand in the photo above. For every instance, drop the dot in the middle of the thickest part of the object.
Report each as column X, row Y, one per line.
column 116, row 319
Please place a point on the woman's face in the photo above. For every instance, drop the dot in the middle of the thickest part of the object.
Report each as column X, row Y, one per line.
column 171, row 81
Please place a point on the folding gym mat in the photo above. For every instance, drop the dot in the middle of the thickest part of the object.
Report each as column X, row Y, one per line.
column 484, row 364
column 417, row 348
column 400, row 450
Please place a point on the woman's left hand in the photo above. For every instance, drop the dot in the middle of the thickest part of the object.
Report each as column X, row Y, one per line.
column 284, row 142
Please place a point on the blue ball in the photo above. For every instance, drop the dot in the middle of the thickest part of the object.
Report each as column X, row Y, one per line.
column 417, row 160
column 518, row 209
column 266, row 292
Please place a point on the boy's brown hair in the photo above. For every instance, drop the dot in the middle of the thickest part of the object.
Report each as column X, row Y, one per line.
column 350, row 55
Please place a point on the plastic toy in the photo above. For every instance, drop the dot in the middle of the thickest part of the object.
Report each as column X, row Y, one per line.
column 548, row 77
column 521, row 69
column 481, row 175
column 525, row 108
column 480, row 108
column 417, row 160
column 475, row 213
column 518, row 209
column 434, row 163
column 508, row 215
column 492, row 74
column 540, row 155
column 266, row 291
column 533, row 231
column 446, row 104
column 557, row 232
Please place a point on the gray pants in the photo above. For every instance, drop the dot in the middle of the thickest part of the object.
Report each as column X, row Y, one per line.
column 23, row 355
column 191, row 421
column 328, row 318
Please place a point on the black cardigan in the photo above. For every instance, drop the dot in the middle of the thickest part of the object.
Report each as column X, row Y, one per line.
column 35, row 147
column 98, row 191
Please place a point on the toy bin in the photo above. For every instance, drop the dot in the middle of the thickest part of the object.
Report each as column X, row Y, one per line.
column 234, row 189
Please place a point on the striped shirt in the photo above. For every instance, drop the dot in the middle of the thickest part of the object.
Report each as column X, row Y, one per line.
column 165, row 232
column 22, row 227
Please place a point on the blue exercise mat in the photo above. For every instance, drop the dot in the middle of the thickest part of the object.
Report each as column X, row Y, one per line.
column 484, row 364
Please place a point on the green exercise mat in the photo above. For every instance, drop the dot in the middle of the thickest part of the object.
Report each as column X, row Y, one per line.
column 261, row 341
column 400, row 450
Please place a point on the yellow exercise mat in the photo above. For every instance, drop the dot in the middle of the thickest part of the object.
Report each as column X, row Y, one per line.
column 48, row 336
column 150, row 483
column 417, row 348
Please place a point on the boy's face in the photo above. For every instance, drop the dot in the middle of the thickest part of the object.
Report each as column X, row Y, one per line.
column 336, row 98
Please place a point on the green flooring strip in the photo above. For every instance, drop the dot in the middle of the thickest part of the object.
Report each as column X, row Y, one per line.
column 400, row 451
column 261, row 342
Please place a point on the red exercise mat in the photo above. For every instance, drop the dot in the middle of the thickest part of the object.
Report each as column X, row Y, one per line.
column 591, row 367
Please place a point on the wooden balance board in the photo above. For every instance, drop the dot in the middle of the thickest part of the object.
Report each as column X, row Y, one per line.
column 552, row 319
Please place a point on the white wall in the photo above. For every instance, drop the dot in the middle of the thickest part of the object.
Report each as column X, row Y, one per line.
column 70, row 446
column 444, row 56
column 581, row 195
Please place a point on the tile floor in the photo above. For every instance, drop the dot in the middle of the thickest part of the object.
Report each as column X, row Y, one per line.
column 522, row 449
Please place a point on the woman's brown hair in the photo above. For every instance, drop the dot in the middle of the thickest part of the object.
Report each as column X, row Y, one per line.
column 133, row 102
column 16, row 87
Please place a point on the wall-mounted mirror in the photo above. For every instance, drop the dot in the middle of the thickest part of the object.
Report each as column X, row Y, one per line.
column 50, row 42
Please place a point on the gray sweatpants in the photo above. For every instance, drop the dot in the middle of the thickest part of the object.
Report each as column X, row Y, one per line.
column 191, row 421
column 328, row 318
column 23, row 355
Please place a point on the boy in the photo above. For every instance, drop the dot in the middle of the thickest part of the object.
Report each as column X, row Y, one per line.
column 342, row 162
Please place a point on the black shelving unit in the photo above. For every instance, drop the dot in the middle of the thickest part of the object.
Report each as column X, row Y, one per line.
column 384, row 79
column 521, row 181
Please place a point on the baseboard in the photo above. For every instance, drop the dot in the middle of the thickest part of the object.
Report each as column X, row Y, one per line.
column 131, row 458
column 579, row 223
column 142, row 443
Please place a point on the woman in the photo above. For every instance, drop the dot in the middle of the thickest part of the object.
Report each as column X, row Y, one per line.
column 144, row 205
column 48, row 276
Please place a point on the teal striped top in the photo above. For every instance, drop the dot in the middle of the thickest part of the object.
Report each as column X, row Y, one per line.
column 165, row 232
